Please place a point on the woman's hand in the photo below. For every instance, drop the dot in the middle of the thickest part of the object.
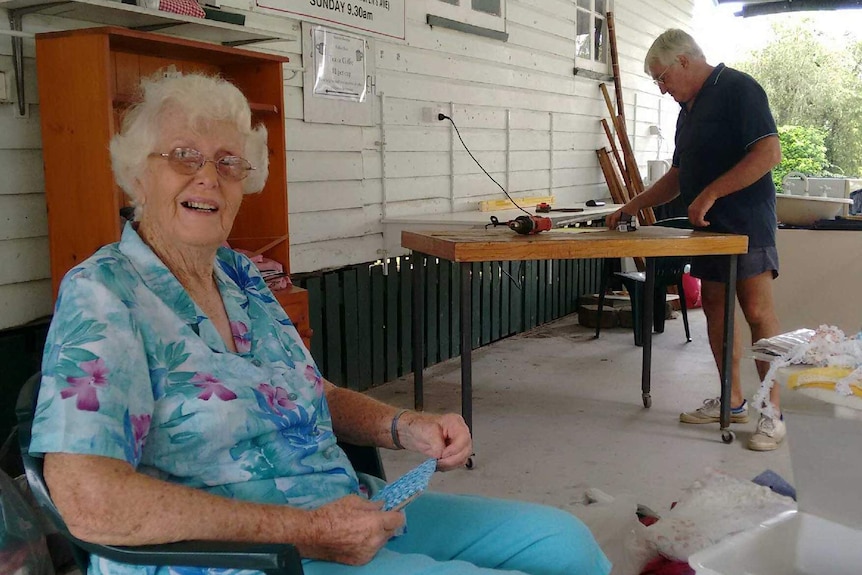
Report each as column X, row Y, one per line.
column 350, row 530
column 444, row 437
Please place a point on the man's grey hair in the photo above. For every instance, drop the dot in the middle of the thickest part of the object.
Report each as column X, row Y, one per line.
column 668, row 46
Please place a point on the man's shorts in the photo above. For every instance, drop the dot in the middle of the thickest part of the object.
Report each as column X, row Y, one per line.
column 755, row 262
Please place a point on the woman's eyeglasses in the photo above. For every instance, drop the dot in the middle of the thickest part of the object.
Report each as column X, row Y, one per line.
column 188, row 162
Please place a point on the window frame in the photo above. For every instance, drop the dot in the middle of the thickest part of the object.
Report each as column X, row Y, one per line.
column 591, row 63
column 465, row 14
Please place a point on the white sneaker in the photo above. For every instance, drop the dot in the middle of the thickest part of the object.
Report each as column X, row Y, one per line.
column 710, row 412
column 769, row 434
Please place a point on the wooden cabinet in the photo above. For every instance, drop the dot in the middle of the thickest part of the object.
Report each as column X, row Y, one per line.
column 86, row 80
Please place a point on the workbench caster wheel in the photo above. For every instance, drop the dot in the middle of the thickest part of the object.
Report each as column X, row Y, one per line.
column 471, row 462
column 647, row 400
column 728, row 436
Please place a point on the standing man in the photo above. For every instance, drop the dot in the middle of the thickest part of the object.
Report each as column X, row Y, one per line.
column 726, row 146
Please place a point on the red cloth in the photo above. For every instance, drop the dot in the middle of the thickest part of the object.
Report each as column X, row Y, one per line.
column 692, row 291
column 184, row 7
column 663, row 566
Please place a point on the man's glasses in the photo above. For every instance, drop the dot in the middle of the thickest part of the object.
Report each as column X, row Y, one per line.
column 188, row 162
column 659, row 81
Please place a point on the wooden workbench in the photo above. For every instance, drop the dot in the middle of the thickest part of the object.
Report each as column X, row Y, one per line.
column 501, row 244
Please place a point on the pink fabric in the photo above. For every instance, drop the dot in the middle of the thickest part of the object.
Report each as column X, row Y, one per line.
column 184, row 7
column 271, row 270
column 692, row 291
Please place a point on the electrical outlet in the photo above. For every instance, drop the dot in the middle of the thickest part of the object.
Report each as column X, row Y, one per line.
column 4, row 89
column 431, row 115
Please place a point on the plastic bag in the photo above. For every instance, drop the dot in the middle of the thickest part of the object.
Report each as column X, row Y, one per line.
column 714, row 507
column 611, row 520
column 23, row 550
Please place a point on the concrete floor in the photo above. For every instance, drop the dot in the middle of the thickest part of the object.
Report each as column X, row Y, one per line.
column 556, row 412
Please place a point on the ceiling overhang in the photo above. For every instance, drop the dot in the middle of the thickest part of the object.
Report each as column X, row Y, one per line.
column 762, row 7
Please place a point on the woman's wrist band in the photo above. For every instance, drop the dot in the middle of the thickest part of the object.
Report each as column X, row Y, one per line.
column 394, row 429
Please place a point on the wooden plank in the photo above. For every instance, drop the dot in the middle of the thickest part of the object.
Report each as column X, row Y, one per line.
column 485, row 318
column 23, row 302
column 619, row 161
column 480, row 245
column 333, row 332
column 444, row 310
column 517, row 300
column 505, row 295
column 506, row 204
column 405, row 311
column 24, row 260
column 375, row 316
column 495, row 300
column 615, row 64
column 351, row 328
column 476, row 295
column 393, row 281
column 315, row 316
column 541, row 291
column 363, row 300
column 456, row 309
column 615, row 188
column 529, row 295
column 432, row 267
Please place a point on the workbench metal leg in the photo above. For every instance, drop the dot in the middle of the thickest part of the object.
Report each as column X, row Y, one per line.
column 467, row 352
column 467, row 345
column 727, row 349
column 646, row 330
column 418, row 329
column 603, row 286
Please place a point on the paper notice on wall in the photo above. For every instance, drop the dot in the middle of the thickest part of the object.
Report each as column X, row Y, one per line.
column 384, row 17
column 339, row 65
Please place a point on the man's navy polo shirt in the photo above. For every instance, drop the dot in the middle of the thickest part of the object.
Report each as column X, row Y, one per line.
column 730, row 113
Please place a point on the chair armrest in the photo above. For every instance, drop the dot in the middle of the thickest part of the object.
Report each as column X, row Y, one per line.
column 270, row 558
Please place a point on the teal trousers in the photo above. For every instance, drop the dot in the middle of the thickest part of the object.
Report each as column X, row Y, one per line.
column 470, row 535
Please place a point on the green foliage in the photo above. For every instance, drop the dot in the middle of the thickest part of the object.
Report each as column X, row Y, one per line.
column 802, row 150
column 814, row 84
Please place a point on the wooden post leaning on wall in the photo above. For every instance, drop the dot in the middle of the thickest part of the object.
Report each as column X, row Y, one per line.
column 615, row 65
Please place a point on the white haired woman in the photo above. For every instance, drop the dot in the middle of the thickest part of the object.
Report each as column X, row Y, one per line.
column 179, row 403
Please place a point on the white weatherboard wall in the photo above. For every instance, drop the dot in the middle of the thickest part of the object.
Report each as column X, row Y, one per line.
column 528, row 119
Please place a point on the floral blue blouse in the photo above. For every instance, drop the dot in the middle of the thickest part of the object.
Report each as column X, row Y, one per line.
column 133, row 370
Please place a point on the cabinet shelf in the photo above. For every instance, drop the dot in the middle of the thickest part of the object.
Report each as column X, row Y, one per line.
column 126, row 100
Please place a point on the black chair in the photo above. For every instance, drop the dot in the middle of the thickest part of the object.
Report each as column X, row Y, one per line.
column 272, row 559
column 668, row 271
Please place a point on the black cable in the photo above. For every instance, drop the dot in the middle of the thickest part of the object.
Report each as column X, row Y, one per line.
column 442, row 116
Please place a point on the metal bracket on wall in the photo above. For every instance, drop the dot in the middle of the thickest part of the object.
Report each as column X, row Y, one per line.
column 16, row 15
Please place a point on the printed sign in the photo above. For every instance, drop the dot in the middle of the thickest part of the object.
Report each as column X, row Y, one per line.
column 384, row 17
column 339, row 65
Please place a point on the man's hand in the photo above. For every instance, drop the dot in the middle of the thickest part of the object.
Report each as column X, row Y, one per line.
column 350, row 530
column 613, row 220
column 699, row 207
column 444, row 437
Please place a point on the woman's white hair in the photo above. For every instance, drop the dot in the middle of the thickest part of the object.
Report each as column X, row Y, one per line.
column 668, row 46
column 202, row 99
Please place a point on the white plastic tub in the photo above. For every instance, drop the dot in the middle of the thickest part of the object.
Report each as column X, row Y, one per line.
column 795, row 543
column 824, row 433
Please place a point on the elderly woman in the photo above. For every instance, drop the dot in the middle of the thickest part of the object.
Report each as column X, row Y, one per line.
column 179, row 403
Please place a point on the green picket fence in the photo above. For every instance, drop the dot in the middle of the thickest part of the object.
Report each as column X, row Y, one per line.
column 362, row 321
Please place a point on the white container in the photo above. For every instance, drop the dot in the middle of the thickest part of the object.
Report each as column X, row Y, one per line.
column 805, row 210
column 794, row 543
column 825, row 536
